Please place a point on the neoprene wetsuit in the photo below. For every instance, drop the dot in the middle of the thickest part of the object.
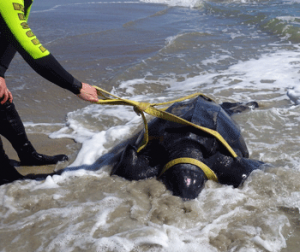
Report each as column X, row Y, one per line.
column 16, row 35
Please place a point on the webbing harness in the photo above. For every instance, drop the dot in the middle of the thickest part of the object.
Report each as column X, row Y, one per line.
column 207, row 171
column 143, row 107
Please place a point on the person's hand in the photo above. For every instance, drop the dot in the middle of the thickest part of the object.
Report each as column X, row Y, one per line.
column 88, row 93
column 5, row 94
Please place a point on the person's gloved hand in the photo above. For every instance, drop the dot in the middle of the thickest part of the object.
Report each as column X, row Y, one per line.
column 5, row 94
column 88, row 93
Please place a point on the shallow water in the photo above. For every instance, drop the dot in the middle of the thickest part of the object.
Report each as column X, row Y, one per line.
column 157, row 51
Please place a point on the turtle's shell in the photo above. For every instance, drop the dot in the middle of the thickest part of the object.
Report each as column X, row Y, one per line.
column 206, row 113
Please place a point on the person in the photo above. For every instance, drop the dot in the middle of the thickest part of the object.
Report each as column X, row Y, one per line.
column 16, row 36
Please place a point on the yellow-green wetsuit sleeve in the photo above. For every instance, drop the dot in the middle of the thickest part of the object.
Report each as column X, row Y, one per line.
column 14, row 16
column 16, row 33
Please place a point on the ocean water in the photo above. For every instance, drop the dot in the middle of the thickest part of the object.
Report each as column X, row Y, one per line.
column 159, row 50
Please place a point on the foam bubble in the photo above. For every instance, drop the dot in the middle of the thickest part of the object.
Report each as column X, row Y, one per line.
column 96, row 127
column 182, row 3
column 294, row 94
column 278, row 70
column 49, row 183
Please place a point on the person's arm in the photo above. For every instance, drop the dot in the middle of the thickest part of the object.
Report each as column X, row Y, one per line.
column 7, row 52
column 16, row 30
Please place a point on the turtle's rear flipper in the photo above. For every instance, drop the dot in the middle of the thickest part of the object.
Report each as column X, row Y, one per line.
column 238, row 107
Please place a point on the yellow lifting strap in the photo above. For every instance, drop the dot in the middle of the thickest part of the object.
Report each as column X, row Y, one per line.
column 207, row 171
column 141, row 107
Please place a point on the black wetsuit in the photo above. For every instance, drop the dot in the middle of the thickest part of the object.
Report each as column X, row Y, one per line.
column 16, row 36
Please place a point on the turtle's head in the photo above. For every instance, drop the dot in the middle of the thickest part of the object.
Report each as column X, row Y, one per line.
column 184, row 180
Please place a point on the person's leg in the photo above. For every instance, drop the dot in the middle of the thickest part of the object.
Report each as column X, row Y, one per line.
column 8, row 173
column 12, row 128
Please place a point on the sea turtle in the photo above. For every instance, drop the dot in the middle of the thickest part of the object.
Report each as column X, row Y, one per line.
column 170, row 141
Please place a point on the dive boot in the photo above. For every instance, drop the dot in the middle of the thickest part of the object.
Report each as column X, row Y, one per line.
column 29, row 156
